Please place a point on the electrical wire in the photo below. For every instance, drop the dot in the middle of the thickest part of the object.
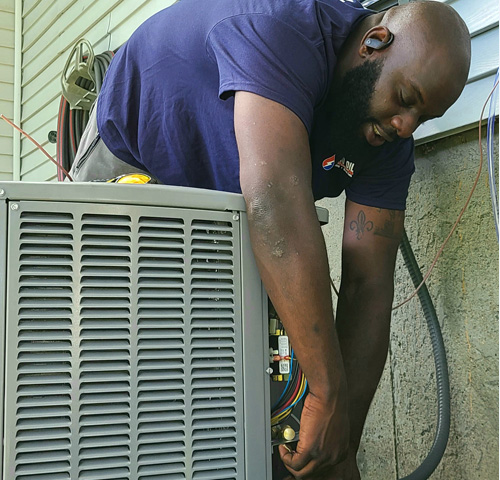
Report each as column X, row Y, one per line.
column 287, row 383
column 293, row 396
column 283, row 411
column 490, row 133
column 334, row 287
column 298, row 397
column 290, row 391
column 295, row 418
column 3, row 117
column 287, row 410
column 281, row 417
column 289, row 400
column 303, row 392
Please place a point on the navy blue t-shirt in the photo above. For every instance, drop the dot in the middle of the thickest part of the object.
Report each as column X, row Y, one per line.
column 167, row 103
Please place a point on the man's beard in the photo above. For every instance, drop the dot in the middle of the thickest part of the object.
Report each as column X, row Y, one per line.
column 351, row 109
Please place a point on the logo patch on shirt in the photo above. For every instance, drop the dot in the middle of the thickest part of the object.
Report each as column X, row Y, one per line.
column 344, row 164
column 329, row 163
column 347, row 166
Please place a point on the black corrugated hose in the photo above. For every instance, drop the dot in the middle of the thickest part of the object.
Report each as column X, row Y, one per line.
column 436, row 452
column 72, row 122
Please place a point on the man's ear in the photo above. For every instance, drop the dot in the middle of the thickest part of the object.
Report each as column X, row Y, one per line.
column 375, row 39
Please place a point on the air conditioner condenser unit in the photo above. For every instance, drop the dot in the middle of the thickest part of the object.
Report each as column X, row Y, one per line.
column 134, row 333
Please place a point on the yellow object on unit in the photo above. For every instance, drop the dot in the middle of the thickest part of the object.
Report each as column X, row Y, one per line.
column 134, row 178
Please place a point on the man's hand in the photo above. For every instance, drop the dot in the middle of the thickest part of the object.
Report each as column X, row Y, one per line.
column 324, row 433
column 345, row 470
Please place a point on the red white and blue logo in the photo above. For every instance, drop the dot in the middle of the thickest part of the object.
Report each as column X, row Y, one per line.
column 329, row 163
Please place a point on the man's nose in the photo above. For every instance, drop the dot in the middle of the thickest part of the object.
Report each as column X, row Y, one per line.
column 404, row 124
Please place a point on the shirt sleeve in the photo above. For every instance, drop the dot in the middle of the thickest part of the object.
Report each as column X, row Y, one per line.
column 263, row 55
column 384, row 182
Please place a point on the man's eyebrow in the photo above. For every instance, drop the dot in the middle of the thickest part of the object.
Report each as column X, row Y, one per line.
column 417, row 91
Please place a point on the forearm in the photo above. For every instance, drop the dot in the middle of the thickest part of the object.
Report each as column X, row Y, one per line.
column 363, row 326
column 291, row 255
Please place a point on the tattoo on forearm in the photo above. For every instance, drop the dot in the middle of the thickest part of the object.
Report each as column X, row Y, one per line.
column 361, row 225
column 388, row 229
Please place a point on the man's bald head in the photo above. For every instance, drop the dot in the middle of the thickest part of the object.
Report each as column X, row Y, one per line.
column 414, row 60
column 436, row 27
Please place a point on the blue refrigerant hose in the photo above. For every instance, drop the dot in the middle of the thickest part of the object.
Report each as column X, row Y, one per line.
column 436, row 452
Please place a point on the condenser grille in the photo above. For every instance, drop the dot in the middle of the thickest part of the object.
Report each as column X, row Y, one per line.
column 161, row 349
column 213, row 351
column 43, row 346
column 124, row 353
column 104, row 363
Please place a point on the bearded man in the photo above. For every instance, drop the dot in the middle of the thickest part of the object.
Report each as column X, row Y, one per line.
column 287, row 102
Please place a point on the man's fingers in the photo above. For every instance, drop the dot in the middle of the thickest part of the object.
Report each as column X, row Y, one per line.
column 286, row 452
column 294, row 461
column 302, row 465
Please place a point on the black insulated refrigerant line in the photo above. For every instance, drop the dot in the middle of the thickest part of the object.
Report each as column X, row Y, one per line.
column 424, row 471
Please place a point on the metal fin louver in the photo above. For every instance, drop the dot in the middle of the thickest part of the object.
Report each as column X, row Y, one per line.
column 213, row 386
column 124, row 344
column 161, row 349
column 104, row 363
column 44, row 346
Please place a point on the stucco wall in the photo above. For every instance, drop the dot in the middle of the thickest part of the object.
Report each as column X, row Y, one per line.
column 464, row 287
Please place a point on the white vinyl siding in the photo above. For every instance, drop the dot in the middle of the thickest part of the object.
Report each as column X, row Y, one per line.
column 50, row 29
column 6, row 86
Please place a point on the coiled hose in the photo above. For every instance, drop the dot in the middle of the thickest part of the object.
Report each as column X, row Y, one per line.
column 436, row 452
column 72, row 122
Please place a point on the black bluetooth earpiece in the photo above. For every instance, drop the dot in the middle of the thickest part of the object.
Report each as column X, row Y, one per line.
column 377, row 44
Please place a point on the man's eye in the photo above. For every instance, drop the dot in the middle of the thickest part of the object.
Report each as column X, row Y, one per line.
column 403, row 102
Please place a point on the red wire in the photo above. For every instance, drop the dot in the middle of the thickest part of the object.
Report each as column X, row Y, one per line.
column 36, row 143
column 292, row 398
